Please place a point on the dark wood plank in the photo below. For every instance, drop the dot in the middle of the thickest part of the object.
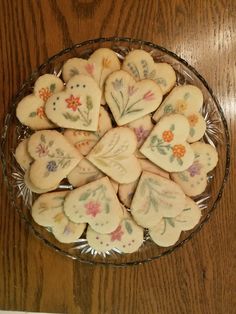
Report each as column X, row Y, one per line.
column 200, row 277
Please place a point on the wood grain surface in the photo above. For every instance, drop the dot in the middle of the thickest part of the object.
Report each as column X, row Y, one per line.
column 198, row 278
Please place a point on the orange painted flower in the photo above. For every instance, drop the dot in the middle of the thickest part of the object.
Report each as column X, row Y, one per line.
column 193, row 119
column 45, row 93
column 167, row 136
column 73, row 102
column 40, row 112
column 179, row 151
column 181, row 106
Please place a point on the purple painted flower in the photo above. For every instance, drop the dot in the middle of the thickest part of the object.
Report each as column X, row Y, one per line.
column 195, row 169
column 141, row 133
column 52, row 166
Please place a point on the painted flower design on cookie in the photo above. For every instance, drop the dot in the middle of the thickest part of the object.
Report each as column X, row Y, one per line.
column 45, row 93
column 195, row 169
column 193, row 120
column 141, row 133
column 179, row 151
column 181, row 106
column 90, row 68
column 117, row 84
column 73, row 102
column 42, row 150
column 117, row 234
column 52, row 166
column 149, row 96
column 167, row 136
column 93, row 208
column 40, row 112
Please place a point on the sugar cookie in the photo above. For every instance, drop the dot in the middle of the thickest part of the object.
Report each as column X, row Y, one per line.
column 22, row 156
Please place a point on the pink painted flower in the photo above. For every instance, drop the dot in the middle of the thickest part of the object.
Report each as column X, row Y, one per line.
column 131, row 90
column 149, row 96
column 195, row 169
column 117, row 234
column 141, row 133
column 89, row 68
column 42, row 150
column 93, row 208
column 73, row 102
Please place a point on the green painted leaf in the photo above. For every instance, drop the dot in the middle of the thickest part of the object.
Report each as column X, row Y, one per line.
column 128, row 227
column 50, row 143
column 32, row 114
column 170, row 221
column 183, row 177
column 186, row 96
column 172, row 157
column 161, row 81
column 180, row 161
column 191, row 132
column 42, row 137
column 152, row 74
column 107, row 208
column 161, row 150
column 52, row 87
column 84, row 196
column 154, row 139
column 89, row 103
column 172, row 127
column 73, row 72
column 71, row 117
column 168, row 109
column 186, row 209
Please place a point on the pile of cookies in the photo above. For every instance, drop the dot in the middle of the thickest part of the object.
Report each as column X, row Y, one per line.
column 127, row 139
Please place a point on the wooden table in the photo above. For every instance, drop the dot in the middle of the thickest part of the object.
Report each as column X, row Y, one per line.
column 198, row 278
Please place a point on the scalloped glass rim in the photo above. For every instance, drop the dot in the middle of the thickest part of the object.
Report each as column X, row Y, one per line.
column 132, row 43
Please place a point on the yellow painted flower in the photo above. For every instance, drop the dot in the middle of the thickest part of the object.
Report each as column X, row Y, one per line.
column 106, row 62
column 181, row 106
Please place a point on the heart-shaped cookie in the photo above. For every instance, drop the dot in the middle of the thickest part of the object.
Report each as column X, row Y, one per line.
column 166, row 145
column 22, row 156
column 186, row 100
column 31, row 109
column 78, row 106
column 141, row 65
column 193, row 180
column 127, row 237
column 154, row 198
column 54, row 158
column 95, row 203
column 48, row 211
column 114, row 155
column 100, row 64
column 130, row 100
column 34, row 188
column 168, row 230
column 84, row 141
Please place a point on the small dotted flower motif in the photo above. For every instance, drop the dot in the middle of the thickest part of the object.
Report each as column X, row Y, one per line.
column 52, row 166
column 42, row 150
column 45, row 93
column 141, row 133
column 117, row 84
column 73, row 102
column 195, row 169
column 167, row 136
column 179, row 151
column 181, row 106
column 89, row 68
column 106, row 63
column 193, row 120
column 40, row 112
column 148, row 96
column 117, row 234
column 93, row 208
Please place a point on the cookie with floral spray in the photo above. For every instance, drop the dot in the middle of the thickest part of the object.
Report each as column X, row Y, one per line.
column 127, row 237
column 95, row 203
column 154, row 198
column 168, row 230
column 99, row 66
column 140, row 64
column 194, row 180
column 76, row 107
column 186, row 100
column 48, row 211
column 129, row 100
column 114, row 155
column 84, row 141
column 31, row 109
column 167, row 146
column 54, row 158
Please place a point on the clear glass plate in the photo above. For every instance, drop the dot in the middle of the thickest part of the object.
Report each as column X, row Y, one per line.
column 217, row 134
